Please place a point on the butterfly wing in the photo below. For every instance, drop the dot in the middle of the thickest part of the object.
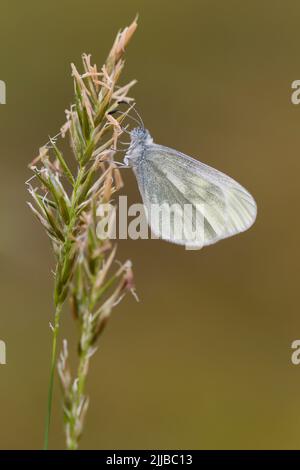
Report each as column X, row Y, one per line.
column 218, row 206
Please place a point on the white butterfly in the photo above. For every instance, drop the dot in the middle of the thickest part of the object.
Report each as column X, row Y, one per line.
column 219, row 207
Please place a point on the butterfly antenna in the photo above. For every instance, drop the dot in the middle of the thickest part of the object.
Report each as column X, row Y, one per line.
column 139, row 116
column 128, row 115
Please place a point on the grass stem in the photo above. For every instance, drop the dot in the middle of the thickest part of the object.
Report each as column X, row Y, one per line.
column 52, row 370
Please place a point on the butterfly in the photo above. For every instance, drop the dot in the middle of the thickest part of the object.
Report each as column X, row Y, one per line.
column 201, row 205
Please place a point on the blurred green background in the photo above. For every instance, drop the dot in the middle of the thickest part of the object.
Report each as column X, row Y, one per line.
column 203, row 361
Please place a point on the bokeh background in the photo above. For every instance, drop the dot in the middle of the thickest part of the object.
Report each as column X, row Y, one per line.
column 204, row 360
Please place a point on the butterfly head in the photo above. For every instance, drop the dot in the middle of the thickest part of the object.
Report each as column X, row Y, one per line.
column 140, row 136
column 139, row 139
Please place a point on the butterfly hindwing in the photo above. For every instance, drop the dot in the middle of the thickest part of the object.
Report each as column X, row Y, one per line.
column 218, row 206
